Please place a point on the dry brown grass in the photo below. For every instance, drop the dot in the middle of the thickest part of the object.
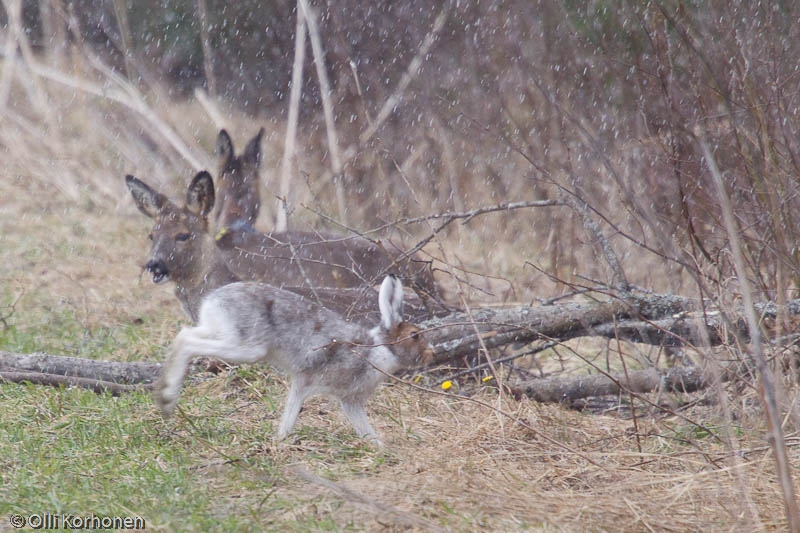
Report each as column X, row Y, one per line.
column 72, row 242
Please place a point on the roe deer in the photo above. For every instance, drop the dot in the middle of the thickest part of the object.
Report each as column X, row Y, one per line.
column 184, row 251
column 320, row 351
column 351, row 261
column 238, row 197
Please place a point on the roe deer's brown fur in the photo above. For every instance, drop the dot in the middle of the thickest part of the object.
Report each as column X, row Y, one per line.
column 333, row 259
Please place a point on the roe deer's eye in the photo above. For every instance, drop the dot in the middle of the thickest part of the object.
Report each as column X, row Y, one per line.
column 183, row 236
column 150, row 236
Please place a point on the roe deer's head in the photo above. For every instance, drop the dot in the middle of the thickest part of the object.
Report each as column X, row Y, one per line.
column 237, row 183
column 179, row 234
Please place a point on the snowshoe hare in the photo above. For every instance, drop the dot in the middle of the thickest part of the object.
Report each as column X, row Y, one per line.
column 249, row 322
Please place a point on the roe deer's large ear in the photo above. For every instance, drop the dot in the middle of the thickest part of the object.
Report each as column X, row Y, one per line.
column 149, row 201
column 390, row 302
column 252, row 153
column 200, row 194
column 224, row 148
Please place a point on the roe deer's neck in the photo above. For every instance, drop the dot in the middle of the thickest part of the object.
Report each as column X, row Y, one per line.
column 212, row 273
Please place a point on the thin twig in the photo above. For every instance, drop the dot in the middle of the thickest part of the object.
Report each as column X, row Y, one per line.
column 499, row 361
column 124, row 94
column 327, row 106
column 581, row 207
column 448, row 217
column 211, row 109
column 120, row 11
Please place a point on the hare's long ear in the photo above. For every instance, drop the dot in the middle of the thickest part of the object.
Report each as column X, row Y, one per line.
column 149, row 201
column 200, row 194
column 390, row 302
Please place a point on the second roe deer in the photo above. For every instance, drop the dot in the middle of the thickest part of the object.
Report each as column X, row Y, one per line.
column 352, row 260
column 321, row 352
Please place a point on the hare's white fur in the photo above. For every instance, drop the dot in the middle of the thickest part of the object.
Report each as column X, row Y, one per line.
column 321, row 352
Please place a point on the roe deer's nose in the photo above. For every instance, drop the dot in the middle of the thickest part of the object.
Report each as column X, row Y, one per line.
column 158, row 269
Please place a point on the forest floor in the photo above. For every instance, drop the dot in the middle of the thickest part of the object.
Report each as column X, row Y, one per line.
column 71, row 283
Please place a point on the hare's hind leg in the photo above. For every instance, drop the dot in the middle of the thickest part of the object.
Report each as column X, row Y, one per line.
column 168, row 387
column 188, row 344
column 357, row 415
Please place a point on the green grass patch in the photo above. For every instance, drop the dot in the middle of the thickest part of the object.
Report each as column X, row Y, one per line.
column 75, row 452
column 65, row 331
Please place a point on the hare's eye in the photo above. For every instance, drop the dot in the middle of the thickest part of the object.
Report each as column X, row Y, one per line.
column 183, row 236
column 415, row 335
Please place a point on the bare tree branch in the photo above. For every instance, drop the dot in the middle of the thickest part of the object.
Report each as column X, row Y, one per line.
column 411, row 72
column 656, row 319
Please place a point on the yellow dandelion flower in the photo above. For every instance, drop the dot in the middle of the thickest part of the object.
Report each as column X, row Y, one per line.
column 447, row 385
column 487, row 379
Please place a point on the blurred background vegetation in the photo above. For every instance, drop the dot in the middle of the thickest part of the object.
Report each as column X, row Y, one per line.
column 514, row 100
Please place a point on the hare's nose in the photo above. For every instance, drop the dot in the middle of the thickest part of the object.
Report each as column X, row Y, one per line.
column 427, row 355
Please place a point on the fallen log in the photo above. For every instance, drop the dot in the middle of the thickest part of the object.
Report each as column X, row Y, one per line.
column 555, row 390
column 108, row 371
column 657, row 319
